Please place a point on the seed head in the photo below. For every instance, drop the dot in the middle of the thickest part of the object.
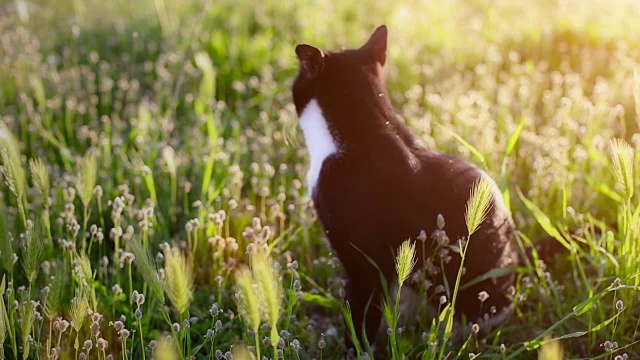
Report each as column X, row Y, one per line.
column 405, row 260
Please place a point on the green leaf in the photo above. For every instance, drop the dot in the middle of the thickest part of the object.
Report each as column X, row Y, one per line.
column 469, row 147
column 636, row 93
column 514, row 138
column 346, row 312
column 208, row 172
column 6, row 249
column 208, row 84
column 493, row 273
column 586, row 305
column 317, row 299
column 545, row 222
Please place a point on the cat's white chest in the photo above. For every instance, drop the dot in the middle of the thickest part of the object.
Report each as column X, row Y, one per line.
column 320, row 143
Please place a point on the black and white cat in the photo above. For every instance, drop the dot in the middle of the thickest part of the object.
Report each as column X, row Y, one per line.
column 375, row 185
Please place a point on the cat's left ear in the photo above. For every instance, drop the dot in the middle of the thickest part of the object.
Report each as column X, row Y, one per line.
column 311, row 60
column 377, row 45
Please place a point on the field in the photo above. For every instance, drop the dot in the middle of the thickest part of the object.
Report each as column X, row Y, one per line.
column 150, row 150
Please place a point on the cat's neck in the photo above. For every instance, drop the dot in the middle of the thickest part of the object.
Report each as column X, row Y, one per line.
column 320, row 141
column 372, row 129
column 369, row 123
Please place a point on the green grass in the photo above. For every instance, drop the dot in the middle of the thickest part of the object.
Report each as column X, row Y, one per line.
column 152, row 146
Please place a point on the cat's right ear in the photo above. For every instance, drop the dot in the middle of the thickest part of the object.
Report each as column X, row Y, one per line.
column 311, row 60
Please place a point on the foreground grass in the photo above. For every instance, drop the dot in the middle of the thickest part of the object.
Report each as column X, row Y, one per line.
column 150, row 149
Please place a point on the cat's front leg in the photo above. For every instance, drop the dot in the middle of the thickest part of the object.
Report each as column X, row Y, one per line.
column 364, row 294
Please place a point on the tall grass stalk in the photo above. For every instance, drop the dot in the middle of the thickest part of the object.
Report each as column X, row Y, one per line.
column 4, row 321
column 178, row 282
column 147, row 267
column 478, row 206
column 32, row 252
column 249, row 303
column 405, row 262
column 27, row 315
column 270, row 292
column 40, row 176
column 623, row 158
column 12, row 169
column 6, row 246
column 85, row 183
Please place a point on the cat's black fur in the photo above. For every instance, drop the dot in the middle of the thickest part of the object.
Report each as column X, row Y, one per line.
column 383, row 186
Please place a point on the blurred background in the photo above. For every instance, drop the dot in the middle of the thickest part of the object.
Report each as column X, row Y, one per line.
column 479, row 68
column 186, row 108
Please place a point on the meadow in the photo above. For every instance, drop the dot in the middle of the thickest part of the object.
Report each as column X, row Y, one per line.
column 153, row 205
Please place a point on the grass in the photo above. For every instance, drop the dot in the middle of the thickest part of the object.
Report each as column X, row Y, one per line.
column 152, row 148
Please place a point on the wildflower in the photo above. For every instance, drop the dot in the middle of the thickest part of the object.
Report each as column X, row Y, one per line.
column 138, row 313
column 322, row 343
column 102, row 344
column 295, row 345
column 608, row 346
column 214, row 311
column 483, row 296
column 475, row 328
column 440, row 221
column 443, row 300
column 176, row 327
column 619, row 305
column 64, row 325
column 297, row 286
column 95, row 329
column 116, row 289
column 96, row 317
column 88, row 345
column 118, row 325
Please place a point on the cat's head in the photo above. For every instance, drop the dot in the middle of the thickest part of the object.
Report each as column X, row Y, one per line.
column 341, row 77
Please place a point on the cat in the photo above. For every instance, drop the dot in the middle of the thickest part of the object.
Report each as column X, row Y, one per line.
column 374, row 185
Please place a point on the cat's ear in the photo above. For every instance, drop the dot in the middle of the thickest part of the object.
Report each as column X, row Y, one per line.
column 377, row 45
column 311, row 60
